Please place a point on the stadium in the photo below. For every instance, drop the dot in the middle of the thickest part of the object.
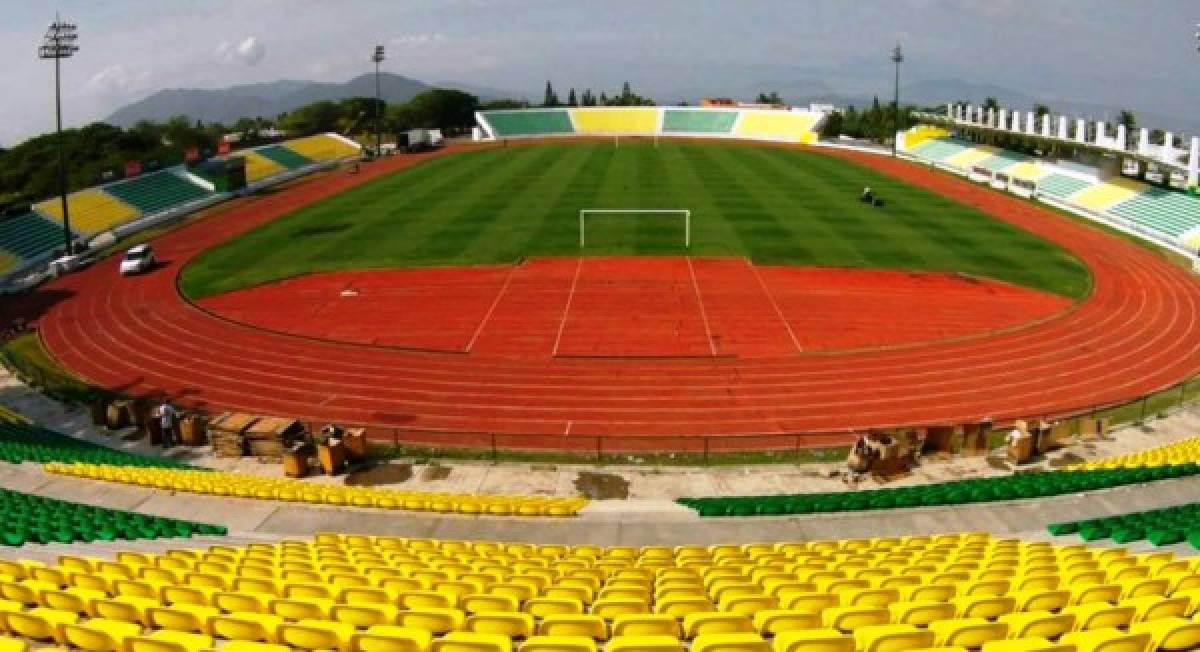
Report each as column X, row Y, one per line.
column 568, row 377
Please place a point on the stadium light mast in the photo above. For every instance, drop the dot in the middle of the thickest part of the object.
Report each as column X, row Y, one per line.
column 897, row 58
column 59, row 44
column 378, row 59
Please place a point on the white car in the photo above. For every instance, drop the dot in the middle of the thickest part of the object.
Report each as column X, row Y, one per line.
column 137, row 260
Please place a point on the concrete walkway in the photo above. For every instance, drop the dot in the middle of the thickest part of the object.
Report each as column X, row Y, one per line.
column 630, row 483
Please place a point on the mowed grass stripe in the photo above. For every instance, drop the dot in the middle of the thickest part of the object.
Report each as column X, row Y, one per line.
column 773, row 205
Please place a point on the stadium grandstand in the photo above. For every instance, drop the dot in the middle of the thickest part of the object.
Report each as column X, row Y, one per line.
column 793, row 126
column 29, row 239
column 1109, row 177
column 601, row 378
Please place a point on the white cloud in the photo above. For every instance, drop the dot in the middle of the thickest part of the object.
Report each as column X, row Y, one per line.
column 249, row 52
column 416, row 40
column 117, row 80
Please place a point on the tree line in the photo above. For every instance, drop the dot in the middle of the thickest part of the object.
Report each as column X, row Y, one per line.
column 97, row 153
column 626, row 97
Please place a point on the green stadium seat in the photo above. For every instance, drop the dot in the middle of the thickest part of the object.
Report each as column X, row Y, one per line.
column 529, row 123
column 156, row 192
column 284, row 156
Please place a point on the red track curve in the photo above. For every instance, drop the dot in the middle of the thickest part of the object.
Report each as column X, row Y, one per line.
column 1135, row 334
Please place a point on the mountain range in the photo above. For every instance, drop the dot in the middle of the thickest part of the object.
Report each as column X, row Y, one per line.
column 227, row 105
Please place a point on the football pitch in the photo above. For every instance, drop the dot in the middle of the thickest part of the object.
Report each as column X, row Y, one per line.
column 772, row 205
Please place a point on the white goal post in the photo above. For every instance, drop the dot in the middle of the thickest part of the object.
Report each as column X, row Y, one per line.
column 635, row 212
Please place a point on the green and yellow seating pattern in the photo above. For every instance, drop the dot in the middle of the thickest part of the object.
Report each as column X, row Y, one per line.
column 322, row 147
column 92, row 211
column 356, row 593
column 788, row 126
column 615, row 121
column 258, row 166
column 238, row 485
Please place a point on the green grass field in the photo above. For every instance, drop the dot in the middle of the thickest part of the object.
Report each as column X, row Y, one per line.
column 773, row 205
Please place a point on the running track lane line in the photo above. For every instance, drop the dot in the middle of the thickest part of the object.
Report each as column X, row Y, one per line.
column 495, row 302
column 562, row 324
column 712, row 345
column 771, row 297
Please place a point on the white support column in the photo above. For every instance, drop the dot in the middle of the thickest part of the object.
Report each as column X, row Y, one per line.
column 1062, row 127
column 1143, row 146
column 1101, row 133
column 950, row 110
column 1120, row 142
column 991, row 117
column 1002, row 119
column 1046, row 125
column 1016, row 120
column 1167, row 153
column 978, row 115
column 1193, row 169
column 1080, row 130
column 1030, row 123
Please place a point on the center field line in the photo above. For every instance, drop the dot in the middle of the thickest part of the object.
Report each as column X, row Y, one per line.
column 771, row 298
column 562, row 324
column 712, row 345
column 495, row 302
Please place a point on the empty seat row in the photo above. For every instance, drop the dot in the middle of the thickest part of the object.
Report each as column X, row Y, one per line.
column 249, row 486
column 968, row 591
column 23, row 441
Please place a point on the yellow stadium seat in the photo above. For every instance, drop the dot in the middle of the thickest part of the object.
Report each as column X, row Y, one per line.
column 1026, row 645
column 796, row 127
column 557, row 644
column 99, row 635
column 644, row 644
column 251, row 646
column 891, row 638
column 848, row 619
column 246, row 627
column 433, row 619
column 588, row 625
column 1170, row 633
column 967, row 632
column 130, row 609
column 1038, row 624
column 1107, row 640
column 699, row 624
column 41, row 623
column 391, row 638
column 542, row 607
column 1154, row 607
column 646, row 625
column 737, row 642
column 169, row 641
column 323, row 147
column 13, row 645
column 813, row 640
column 506, row 623
column 1100, row 615
column 771, row 622
column 472, row 642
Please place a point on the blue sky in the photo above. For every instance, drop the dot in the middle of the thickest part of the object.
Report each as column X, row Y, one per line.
column 1139, row 54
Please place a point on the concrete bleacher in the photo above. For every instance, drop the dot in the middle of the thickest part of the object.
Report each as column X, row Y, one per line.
column 91, row 210
column 157, row 191
column 939, row 149
column 322, row 147
column 532, row 122
column 615, row 121
column 1168, row 211
column 1108, row 193
column 1061, row 186
column 698, row 121
column 788, row 126
column 258, row 166
column 28, row 236
column 970, row 156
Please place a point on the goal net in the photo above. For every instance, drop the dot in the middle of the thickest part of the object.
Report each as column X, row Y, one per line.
column 589, row 215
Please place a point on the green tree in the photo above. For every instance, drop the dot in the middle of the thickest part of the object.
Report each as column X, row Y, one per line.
column 991, row 103
column 1040, row 110
column 439, row 108
column 1127, row 118
column 769, row 98
column 571, row 99
column 504, row 104
column 550, row 98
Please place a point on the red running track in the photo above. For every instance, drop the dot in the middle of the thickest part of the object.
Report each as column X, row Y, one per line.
column 634, row 307
column 1135, row 334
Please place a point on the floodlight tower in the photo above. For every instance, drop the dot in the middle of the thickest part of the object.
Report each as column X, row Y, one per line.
column 378, row 59
column 897, row 58
column 59, row 44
